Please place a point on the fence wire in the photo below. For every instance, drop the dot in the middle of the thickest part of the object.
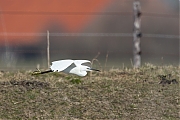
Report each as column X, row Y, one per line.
column 128, row 13
column 92, row 35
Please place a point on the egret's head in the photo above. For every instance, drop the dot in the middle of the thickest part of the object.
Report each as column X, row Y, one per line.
column 86, row 68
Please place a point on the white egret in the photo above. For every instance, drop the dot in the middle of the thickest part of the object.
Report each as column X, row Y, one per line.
column 70, row 66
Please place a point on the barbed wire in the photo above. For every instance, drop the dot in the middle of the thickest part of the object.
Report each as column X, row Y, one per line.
column 130, row 13
column 162, row 36
column 91, row 35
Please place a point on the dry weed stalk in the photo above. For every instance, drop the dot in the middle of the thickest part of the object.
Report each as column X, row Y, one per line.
column 107, row 55
column 95, row 59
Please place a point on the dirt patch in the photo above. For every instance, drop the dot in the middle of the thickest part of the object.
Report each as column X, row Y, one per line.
column 26, row 84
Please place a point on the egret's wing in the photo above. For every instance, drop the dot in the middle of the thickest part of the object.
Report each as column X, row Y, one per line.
column 79, row 62
column 61, row 65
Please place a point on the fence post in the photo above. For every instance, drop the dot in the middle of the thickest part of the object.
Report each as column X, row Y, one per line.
column 48, row 56
column 137, row 34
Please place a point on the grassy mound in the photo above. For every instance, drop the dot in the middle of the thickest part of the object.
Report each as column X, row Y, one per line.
column 114, row 94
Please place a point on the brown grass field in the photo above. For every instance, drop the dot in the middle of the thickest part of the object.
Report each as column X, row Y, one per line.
column 128, row 94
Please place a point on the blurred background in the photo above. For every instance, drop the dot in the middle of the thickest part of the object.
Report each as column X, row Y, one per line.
column 87, row 29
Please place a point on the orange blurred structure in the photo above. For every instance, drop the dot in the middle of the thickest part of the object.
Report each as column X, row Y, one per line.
column 19, row 16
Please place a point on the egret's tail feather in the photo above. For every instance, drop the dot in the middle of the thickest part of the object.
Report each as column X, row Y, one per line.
column 41, row 72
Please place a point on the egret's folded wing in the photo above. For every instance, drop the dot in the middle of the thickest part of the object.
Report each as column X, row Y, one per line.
column 60, row 65
column 79, row 62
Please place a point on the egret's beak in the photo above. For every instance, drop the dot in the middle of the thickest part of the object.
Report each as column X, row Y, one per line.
column 94, row 69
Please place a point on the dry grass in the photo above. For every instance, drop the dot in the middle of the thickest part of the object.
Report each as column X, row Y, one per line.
column 115, row 94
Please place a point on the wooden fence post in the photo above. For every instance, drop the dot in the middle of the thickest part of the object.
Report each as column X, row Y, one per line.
column 137, row 35
column 48, row 56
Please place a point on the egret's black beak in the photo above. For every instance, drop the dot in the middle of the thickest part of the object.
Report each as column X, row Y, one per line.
column 94, row 69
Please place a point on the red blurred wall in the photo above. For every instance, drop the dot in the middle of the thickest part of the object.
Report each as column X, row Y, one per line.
column 33, row 16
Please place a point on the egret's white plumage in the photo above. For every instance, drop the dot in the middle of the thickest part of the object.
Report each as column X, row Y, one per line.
column 71, row 66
